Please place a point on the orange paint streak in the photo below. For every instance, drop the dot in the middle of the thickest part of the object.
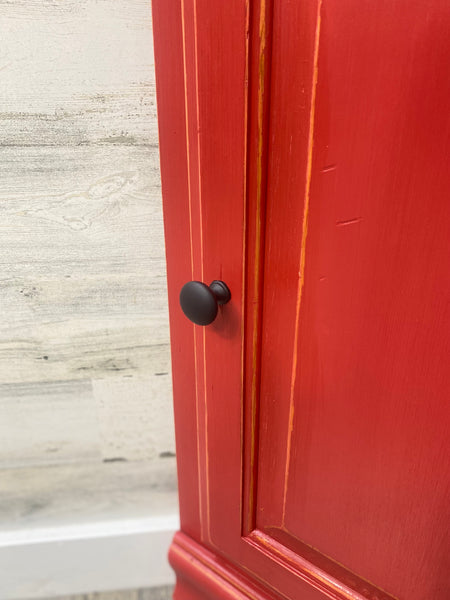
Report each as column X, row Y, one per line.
column 257, row 253
column 200, row 216
column 187, row 137
column 313, row 569
column 192, row 265
column 301, row 279
column 244, row 247
column 313, row 575
column 342, row 566
column 197, row 103
column 208, row 508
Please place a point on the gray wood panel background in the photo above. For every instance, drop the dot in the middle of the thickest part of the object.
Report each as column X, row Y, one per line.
column 160, row 593
column 84, row 339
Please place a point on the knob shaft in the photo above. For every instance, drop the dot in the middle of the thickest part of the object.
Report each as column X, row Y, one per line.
column 199, row 302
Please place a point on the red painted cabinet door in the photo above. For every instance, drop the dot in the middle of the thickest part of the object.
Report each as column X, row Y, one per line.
column 305, row 152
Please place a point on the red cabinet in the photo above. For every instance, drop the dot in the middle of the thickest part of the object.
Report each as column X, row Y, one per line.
column 305, row 162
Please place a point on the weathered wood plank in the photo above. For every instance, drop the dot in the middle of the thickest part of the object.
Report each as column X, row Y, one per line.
column 159, row 593
column 51, row 496
column 132, row 417
column 79, row 421
column 86, row 296
column 83, row 274
column 49, row 422
column 84, row 344
column 76, row 72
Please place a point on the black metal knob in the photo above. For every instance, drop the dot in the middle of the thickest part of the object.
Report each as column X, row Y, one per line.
column 200, row 302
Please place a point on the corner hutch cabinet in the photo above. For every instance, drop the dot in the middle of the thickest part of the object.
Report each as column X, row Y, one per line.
column 305, row 163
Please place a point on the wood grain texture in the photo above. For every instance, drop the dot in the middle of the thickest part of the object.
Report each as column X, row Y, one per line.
column 50, row 422
column 77, row 72
column 85, row 493
column 84, row 340
column 159, row 593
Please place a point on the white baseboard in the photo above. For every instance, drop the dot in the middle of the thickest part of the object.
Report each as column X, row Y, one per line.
column 122, row 554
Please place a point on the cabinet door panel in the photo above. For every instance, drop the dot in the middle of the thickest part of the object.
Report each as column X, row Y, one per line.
column 304, row 151
column 355, row 422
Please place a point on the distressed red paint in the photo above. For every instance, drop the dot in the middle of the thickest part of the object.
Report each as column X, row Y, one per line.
column 304, row 161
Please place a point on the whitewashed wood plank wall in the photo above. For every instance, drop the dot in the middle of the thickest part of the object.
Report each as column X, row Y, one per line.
column 84, row 341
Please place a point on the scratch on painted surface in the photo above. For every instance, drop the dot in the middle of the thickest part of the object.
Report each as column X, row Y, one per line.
column 302, row 255
column 348, row 222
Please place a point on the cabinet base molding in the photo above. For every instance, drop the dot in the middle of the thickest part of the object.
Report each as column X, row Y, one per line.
column 203, row 575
